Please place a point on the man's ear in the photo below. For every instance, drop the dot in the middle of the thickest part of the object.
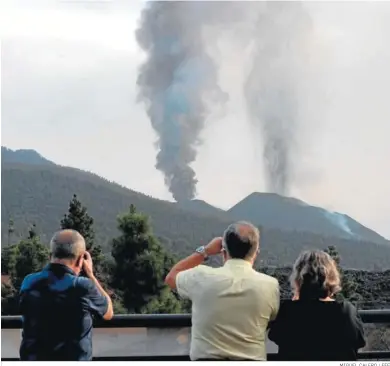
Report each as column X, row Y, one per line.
column 79, row 261
column 256, row 255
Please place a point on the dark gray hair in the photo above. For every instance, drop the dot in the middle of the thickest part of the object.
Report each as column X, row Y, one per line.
column 241, row 240
column 67, row 244
column 315, row 275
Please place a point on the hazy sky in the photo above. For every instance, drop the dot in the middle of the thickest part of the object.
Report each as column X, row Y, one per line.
column 68, row 71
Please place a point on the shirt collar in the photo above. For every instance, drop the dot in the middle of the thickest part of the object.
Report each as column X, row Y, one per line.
column 59, row 268
column 238, row 263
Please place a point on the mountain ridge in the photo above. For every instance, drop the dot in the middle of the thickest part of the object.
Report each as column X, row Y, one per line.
column 289, row 213
column 24, row 156
column 40, row 194
column 269, row 209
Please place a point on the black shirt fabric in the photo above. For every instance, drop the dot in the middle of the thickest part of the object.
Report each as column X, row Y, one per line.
column 314, row 330
column 57, row 308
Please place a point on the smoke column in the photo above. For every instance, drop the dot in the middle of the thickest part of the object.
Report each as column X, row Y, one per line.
column 272, row 86
column 176, row 80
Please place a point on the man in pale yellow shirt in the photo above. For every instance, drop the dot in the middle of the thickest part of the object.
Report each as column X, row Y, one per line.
column 231, row 305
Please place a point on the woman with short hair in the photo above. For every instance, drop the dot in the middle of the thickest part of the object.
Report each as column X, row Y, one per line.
column 313, row 326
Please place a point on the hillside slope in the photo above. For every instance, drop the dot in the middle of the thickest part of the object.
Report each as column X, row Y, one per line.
column 24, row 156
column 284, row 213
column 202, row 207
column 40, row 194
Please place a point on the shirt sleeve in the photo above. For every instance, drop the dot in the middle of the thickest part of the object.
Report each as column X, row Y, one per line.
column 93, row 299
column 355, row 326
column 276, row 304
column 187, row 281
column 22, row 302
column 23, row 293
column 277, row 331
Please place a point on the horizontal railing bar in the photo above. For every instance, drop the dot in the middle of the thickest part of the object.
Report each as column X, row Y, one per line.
column 372, row 355
column 175, row 320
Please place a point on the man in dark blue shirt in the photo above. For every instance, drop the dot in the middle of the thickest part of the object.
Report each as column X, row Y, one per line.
column 58, row 306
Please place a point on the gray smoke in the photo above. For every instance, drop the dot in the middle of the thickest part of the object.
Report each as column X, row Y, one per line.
column 272, row 86
column 177, row 83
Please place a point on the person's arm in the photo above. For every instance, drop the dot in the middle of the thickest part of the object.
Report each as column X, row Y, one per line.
column 97, row 298
column 356, row 330
column 192, row 261
column 277, row 328
column 23, row 303
column 110, row 309
column 276, row 302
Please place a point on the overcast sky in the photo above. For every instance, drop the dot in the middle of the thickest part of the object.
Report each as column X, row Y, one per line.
column 68, row 91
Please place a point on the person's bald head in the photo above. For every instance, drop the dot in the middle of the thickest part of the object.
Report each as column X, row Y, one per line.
column 67, row 245
column 241, row 240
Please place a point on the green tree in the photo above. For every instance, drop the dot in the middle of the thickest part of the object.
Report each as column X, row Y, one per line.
column 141, row 265
column 29, row 256
column 332, row 251
column 32, row 232
column 7, row 259
column 349, row 286
column 9, row 299
column 21, row 259
column 119, row 308
column 78, row 219
column 11, row 230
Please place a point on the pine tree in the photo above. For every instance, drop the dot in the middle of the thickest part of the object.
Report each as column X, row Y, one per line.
column 32, row 232
column 28, row 256
column 9, row 299
column 7, row 256
column 11, row 230
column 332, row 251
column 349, row 287
column 141, row 266
column 78, row 219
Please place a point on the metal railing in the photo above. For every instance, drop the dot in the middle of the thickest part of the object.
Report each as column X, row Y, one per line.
column 162, row 321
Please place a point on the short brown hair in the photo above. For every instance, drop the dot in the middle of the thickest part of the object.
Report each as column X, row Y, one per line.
column 315, row 275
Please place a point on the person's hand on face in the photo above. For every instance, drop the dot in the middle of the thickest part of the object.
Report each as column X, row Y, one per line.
column 214, row 247
column 88, row 264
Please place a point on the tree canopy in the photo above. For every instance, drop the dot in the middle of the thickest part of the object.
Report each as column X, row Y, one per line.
column 28, row 256
column 77, row 218
column 19, row 260
column 348, row 285
column 141, row 264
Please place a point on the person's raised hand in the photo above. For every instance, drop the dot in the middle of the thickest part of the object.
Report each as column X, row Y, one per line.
column 214, row 247
column 88, row 264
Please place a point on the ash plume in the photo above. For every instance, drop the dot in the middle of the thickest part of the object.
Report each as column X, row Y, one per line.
column 175, row 81
column 272, row 86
